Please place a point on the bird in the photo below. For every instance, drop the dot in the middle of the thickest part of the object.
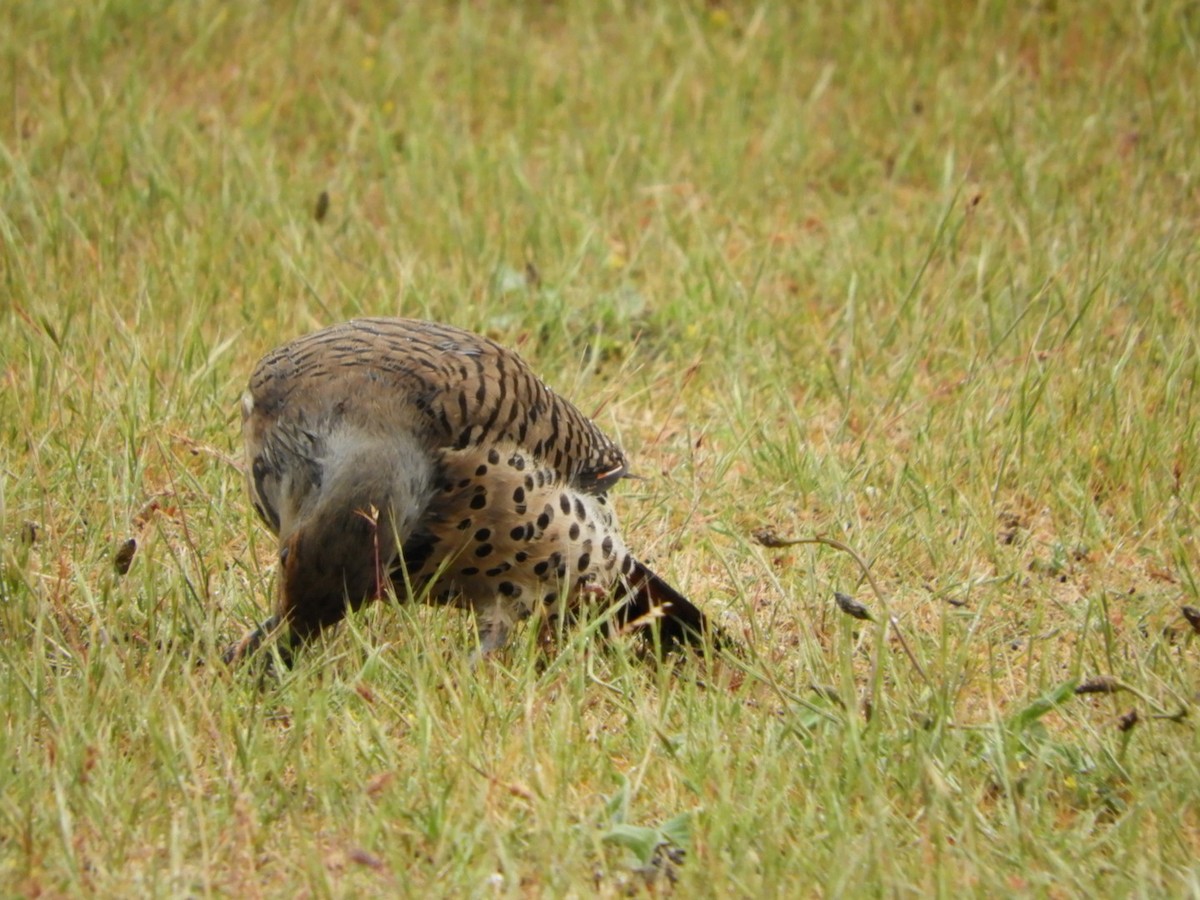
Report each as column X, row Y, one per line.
column 413, row 455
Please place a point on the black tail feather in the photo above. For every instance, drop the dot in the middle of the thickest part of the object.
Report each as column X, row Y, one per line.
column 678, row 620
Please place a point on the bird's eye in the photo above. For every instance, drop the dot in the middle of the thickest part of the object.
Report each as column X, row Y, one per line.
column 283, row 553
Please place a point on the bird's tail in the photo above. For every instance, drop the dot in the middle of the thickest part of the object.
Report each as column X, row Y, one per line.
column 647, row 602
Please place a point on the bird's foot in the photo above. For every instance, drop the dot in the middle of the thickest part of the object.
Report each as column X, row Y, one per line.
column 249, row 645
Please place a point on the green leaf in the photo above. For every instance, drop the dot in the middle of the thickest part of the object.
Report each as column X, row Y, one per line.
column 678, row 830
column 1042, row 705
column 616, row 808
column 641, row 841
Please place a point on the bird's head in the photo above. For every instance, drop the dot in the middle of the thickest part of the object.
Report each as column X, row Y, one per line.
column 325, row 568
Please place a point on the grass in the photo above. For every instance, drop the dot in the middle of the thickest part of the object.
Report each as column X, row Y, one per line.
column 921, row 280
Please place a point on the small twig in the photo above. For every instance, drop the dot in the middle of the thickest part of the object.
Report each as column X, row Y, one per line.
column 199, row 447
column 1109, row 684
column 371, row 515
column 1101, row 684
column 512, row 788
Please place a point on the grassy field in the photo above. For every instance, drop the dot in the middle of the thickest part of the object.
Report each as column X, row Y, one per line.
column 922, row 280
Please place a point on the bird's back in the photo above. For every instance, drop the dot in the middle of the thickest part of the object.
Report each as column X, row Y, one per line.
column 451, row 389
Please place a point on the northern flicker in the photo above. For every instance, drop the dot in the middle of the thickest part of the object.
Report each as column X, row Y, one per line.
column 417, row 452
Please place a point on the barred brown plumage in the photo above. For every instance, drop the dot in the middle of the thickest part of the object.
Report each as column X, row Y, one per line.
column 418, row 452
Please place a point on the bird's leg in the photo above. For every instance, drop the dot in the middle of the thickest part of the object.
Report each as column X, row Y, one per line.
column 286, row 645
column 493, row 636
column 492, row 627
column 248, row 645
